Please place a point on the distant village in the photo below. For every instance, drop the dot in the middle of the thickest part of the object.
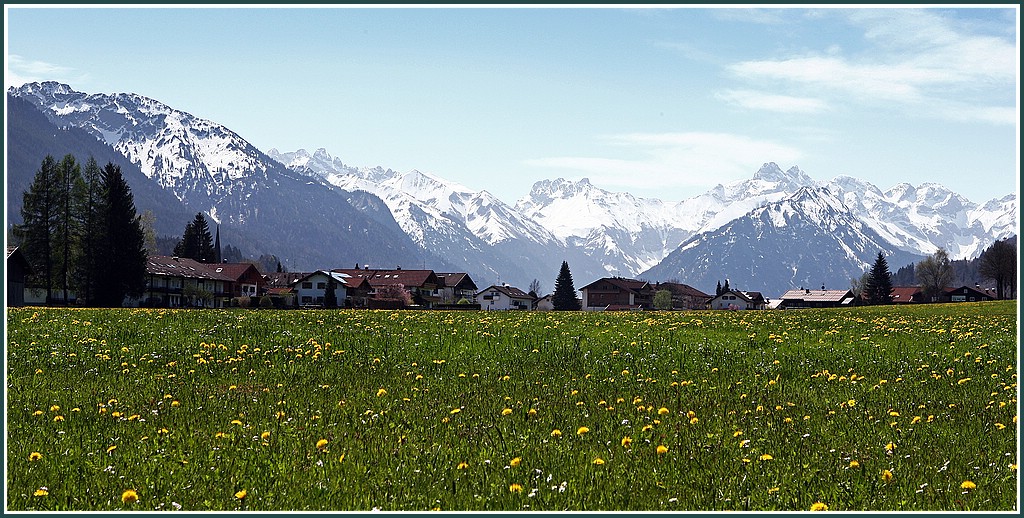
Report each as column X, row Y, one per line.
column 178, row 282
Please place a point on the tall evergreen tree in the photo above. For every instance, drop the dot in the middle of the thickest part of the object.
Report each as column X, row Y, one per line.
column 999, row 263
column 40, row 213
column 65, row 233
column 878, row 285
column 196, row 243
column 90, row 209
column 564, row 297
column 124, row 266
column 718, row 289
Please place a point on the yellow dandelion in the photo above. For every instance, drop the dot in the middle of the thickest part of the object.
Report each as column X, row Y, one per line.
column 854, row 464
column 765, row 457
column 129, row 496
column 967, row 484
column 1000, row 426
column 236, row 421
column 890, row 447
column 381, row 392
column 662, row 411
column 693, row 420
column 111, row 448
column 55, row 408
column 886, row 475
column 37, row 412
column 265, row 435
column 819, row 506
column 455, row 411
column 342, row 458
column 58, row 418
column 626, row 441
column 241, row 494
column 515, row 488
column 506, row 411
column 34, row 456
column 662, row 449
column 582, row 430
column 598, row 461
column 646, row 427
column 462, row 465
column 737, row 433
column 41, row 492
column 532, row 412
column 175, row 403
column 321, row 444
column 556, row 433
column 691, row 414
column 515, row 462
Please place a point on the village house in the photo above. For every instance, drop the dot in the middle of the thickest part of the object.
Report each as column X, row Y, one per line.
column 455, row 287
column 173, row 282
column 17, row 269
column 684, row 296
column 545, row 303
column 504, row 297
column 246, row 279
column 311, row 290
column 735, row 299
column 616, row 293
column 280, row 287
column 808, row 298
column 423, row 285
column 914, row 295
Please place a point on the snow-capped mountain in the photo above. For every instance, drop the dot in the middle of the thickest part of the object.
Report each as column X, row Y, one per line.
column 473, row 229
column 631, row 235
column 807, row 239
column 328, row 214
column 211, row 169
column 929, row 216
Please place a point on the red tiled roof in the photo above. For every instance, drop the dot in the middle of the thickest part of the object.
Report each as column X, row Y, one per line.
column 509, row 291
column 623, row 284
column 816, row 295
column 904, row 293
column 234, row 270
column 183, row 267
column 455, row 279
column 407, row 278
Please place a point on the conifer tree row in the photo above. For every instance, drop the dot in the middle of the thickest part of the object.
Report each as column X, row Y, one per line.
column 81, row 233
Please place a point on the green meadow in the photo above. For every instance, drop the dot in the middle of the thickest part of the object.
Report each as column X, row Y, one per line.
column 877, row 408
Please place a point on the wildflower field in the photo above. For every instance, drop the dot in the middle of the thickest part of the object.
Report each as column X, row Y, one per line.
column 879, row 408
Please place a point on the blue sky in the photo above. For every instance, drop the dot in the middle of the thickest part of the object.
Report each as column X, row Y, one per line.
column 659, row 102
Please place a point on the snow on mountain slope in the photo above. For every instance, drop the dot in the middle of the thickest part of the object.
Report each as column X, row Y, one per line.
column 193, row 158
column 806, row 239
column 473, row 229
column 925, row 218
column 631, row 234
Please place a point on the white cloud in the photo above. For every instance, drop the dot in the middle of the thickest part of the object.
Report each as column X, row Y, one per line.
column 675, row 160
column 19, row 71
column 772, row 102
column 915, row 58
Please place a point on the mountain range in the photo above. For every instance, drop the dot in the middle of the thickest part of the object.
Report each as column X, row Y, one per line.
column 777, row 230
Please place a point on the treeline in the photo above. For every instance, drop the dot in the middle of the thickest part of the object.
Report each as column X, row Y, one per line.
column 81, row 234
column 997, row 263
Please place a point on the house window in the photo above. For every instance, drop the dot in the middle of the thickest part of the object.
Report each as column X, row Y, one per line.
column 321, row 285
column 307, row 285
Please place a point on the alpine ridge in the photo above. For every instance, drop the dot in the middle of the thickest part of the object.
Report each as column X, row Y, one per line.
column 776, row 230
